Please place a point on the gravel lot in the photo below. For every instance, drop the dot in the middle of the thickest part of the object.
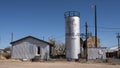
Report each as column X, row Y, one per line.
column 14, row 64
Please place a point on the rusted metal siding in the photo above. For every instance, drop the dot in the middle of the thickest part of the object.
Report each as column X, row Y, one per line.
column 27, row 49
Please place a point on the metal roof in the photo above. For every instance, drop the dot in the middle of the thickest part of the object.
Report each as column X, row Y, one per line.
column 30, row 37
column 112, row 49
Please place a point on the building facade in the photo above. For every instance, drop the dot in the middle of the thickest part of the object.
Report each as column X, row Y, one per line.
column 30, row 47
column 97, row 53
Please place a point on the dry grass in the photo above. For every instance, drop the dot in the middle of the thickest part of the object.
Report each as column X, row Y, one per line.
column 2, row 57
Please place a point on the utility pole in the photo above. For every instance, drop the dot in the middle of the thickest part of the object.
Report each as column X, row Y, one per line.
column 118, row 36
column 0, row 39
column 95, row 15
column 86, row 27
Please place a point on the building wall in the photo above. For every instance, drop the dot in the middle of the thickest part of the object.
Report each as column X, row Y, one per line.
column 96, row 53
column 27, row 49
column 91, row 42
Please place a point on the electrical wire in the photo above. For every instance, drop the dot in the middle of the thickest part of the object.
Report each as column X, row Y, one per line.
column 101, row 27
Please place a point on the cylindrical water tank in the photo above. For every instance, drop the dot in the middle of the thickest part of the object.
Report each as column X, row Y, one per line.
column 72, row 42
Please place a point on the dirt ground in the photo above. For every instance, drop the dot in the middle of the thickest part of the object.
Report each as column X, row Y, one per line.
column 12, row 64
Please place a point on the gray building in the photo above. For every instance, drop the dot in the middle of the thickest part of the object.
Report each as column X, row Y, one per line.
column 97, row 53
column 30, row 47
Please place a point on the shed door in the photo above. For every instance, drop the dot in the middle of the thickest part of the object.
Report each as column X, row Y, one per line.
column 38, row 50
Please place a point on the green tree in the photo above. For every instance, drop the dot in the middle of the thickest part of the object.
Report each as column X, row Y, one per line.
column 59, row 48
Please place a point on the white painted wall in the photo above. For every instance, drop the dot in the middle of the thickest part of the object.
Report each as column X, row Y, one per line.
column 27, row 49
column 72, row 37
column 96, row 53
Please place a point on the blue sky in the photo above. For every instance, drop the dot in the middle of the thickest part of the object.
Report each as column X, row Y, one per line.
column 46, row 18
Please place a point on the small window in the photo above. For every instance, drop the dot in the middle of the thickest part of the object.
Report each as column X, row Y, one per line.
column 38, row 50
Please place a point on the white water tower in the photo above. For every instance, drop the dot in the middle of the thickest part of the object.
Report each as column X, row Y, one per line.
column 72, row 42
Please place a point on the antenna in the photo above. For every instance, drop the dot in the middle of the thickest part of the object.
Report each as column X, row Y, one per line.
column 43, row 37
column 12, row 37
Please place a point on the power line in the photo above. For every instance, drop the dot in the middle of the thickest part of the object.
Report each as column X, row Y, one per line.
column 101, row 27
column 106, row 27
column 107, row 31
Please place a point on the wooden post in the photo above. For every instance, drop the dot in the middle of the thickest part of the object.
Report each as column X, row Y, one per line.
column 86, row 26
column 95, row 26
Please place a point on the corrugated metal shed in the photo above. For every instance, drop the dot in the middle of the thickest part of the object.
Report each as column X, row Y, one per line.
column 29, row 47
